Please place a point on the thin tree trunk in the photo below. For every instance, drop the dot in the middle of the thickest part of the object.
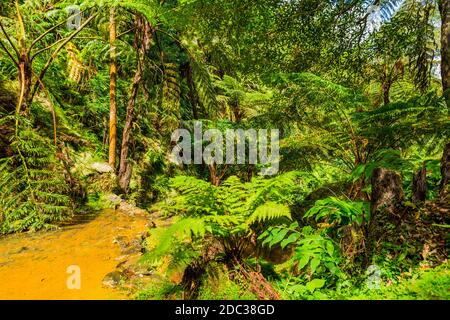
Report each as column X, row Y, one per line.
column 444, row 8
column 112, row 90
column 125, row 167
column 213, row 177
column 25, row 78
column 142, row 42
column 445, row 169
column 25, row 67
column 192, row 92
column 386, row 90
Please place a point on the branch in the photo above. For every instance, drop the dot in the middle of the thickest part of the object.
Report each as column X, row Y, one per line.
column 46, row 48
column 51, row 29
column 364, row 18
column 9, row 54
column 346, row 9
column 20, row 101
column 125, row 32
column 60, row 40
column 55, row 53
column 9, row 39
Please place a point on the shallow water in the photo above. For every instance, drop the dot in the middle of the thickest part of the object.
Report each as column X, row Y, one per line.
column 34, row 265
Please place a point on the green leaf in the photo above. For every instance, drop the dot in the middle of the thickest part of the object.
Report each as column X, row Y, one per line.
column 358, row 172
column 292, row 238
column 298, row 289
column 315, row 284
column 330, row 248
column 278, row 237
column 314, row 264
column 303, row 261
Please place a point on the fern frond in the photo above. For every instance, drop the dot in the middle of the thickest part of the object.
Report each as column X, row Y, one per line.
column 269, row 211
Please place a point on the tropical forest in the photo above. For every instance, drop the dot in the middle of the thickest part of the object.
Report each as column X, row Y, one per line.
column 225, row 150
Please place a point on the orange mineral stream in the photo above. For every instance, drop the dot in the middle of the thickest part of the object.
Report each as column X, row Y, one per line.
column 35, row 265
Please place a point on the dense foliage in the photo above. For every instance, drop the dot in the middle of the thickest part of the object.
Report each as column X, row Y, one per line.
column 358, row 90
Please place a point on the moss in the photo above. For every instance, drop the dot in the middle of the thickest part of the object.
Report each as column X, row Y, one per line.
column 161, row 289
column 430, row 284
column 216, row 285
column 100, row 201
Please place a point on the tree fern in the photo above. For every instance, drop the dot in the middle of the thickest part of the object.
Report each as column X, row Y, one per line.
column 229, row 213
column 34, row 193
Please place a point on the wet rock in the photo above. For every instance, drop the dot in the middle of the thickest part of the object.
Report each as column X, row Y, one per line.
column 112, row 279
column 128, row 248
column 114, row 198
column 131, row 209
column 101, row 167
column 137, row 269
column 121, row 241
column 122, row 258
column 133, row 247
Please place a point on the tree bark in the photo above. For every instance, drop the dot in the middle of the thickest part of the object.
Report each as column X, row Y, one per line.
column 125, row 167
column 112, row 90
column 444, row 9
column 419, row 185
column 387, row 191
column 142, row 42
column 25, row 78
column 192, row 92
column 386, row 90
column 445, row 168
column 213, row 177
column 387, row 196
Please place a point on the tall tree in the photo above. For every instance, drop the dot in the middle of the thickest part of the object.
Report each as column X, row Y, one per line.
column 112, row 88
column 142, row 42
column 444, row 8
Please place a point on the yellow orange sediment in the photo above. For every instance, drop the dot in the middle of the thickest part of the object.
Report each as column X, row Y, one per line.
column 34, row 266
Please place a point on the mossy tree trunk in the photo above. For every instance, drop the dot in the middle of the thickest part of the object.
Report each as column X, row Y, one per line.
column 387, row 197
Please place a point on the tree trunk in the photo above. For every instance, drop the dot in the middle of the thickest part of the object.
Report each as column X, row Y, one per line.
column 258, row 284
column 112, row 90
column 192, row 92
column 213, row 176
column 444, row 8
column 125, row 167
column 386, row 90
column 387, row 196
column 25, row 77
column 419, row 185
column 445, row 169
column 142, row 42
column 387, row 191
